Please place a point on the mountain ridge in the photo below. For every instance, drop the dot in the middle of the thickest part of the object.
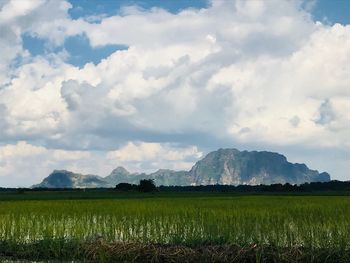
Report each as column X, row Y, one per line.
column 227, row 166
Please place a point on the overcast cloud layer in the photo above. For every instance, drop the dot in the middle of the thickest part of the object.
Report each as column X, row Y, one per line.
column 247, row 74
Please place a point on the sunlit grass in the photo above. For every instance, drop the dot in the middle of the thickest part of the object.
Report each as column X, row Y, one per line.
column 281, row 221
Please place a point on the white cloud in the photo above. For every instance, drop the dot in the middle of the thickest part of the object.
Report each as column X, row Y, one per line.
column 23, row 164
column 14, row 9
column 20, row 149
column 148, row 157
column 238, row 72
column 32, row 102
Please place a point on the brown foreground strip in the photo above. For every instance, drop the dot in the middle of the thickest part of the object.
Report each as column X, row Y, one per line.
column 101, row 251
column 156, row 253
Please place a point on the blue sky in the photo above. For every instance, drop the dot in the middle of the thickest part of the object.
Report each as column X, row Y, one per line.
column 90, row 85
column 336, row 11
column 87, row 7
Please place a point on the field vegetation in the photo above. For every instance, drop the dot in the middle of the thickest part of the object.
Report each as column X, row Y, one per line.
column 233, row 227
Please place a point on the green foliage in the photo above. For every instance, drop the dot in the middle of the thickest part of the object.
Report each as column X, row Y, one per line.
column 147, row 186
column 125, row 187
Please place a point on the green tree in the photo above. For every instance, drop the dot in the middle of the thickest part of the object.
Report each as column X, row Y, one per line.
column 147, row 185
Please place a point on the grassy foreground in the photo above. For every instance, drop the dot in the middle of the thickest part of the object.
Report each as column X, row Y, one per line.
column 178, row 228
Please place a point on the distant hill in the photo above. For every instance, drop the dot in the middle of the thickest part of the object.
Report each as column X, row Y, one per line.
column 224, row 166
column 66, row 179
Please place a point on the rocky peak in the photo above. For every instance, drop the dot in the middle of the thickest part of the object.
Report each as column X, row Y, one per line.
column 231, row 166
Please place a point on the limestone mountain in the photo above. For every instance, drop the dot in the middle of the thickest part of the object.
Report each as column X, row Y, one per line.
column 224, row 166
column 234, row 167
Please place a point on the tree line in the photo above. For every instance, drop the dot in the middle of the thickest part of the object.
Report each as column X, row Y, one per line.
column 148, row 185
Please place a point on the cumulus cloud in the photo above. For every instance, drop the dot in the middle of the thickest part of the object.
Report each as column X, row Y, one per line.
column 257, row 74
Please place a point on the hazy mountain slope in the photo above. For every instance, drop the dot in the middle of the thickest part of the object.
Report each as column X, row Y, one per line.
column 120, row 175
column 66, row 179
column 161, row 177
column 170, row 177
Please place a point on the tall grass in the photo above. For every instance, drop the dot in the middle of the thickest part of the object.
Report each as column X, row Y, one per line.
column 281, row 221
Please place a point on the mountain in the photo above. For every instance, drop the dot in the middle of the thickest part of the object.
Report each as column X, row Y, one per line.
column 66, row 179
column 224, row 166
column 120, row 174
column 170, row 177
column 161, row 177
column 234, row 167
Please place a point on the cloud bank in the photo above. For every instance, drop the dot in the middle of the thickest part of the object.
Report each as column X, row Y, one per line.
column 246, row 74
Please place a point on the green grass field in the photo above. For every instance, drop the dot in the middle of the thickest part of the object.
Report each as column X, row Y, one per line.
column 312, row 223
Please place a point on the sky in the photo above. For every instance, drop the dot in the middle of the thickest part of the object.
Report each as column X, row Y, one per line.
column 88, row 86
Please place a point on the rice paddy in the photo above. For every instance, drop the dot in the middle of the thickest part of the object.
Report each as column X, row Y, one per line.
column 308, row 222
